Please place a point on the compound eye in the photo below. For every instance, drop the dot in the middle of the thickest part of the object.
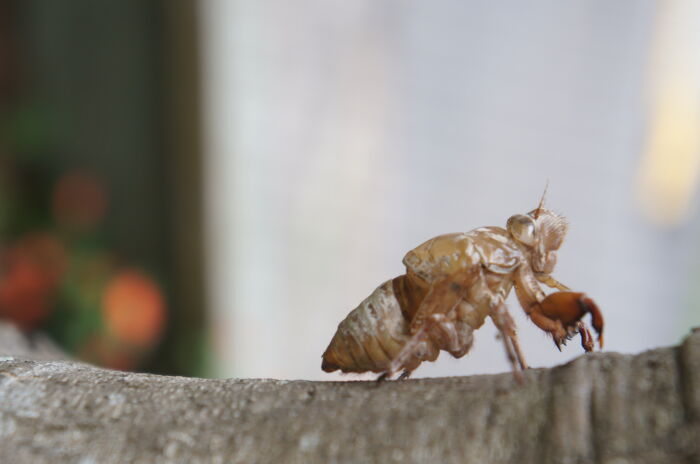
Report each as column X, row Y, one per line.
column 522, row 228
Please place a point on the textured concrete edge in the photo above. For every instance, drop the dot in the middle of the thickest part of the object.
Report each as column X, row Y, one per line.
column 689, row 354
column 598, row 408
column 40, row 349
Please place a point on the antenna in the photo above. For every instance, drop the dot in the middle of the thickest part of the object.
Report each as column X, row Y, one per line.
column 544, row 194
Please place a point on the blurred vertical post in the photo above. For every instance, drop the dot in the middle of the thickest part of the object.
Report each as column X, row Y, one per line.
column 107, row 127
column 183, row 140
column 669, row 170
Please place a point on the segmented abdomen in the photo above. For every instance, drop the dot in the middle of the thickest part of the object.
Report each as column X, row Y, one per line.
column 370, row 336
column 375, row 332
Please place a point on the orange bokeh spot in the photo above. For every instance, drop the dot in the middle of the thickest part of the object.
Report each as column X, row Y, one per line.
column 30, row 272
column 79, row 200
column 133, row 308
column 46, row 252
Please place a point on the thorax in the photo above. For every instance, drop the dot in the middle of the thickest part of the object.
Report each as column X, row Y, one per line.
column 451, row 254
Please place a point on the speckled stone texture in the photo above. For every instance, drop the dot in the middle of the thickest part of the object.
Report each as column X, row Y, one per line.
column 600, row 408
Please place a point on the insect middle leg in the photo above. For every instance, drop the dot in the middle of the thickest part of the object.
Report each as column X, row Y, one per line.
column 506, row 325
column 482, row 295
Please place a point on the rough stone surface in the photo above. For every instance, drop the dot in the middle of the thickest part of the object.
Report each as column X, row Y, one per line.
column 600, row 408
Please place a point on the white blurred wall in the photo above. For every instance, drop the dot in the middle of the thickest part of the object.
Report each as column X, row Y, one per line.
column 342, row 134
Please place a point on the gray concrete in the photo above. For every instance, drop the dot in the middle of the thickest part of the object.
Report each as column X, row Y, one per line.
column 599, row 408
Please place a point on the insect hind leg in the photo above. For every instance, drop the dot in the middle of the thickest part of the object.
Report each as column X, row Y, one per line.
column 384, row 376
column 463, row 335
column 417, row 349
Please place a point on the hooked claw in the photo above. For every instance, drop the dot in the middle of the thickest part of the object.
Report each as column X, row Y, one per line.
column 560, row 314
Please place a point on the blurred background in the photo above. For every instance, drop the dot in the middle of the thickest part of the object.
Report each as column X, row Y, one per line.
column 208, row 188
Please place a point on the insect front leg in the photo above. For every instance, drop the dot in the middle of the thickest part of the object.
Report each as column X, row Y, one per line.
column 558, row 313
column 530, row 295
column 551, row 282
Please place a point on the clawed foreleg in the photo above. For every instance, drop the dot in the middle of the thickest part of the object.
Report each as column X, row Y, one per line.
column 560, row 314
column 551, row 282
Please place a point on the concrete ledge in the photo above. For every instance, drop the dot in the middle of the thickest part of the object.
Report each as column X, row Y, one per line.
column 599, row 408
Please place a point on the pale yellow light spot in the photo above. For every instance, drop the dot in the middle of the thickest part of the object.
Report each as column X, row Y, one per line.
column 669, row 171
